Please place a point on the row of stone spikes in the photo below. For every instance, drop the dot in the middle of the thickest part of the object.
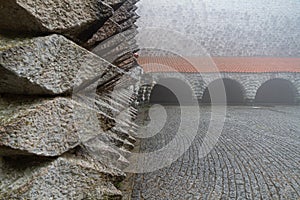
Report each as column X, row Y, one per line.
column 67, row 92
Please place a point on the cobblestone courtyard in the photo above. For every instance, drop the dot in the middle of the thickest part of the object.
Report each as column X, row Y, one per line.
column 256, row 157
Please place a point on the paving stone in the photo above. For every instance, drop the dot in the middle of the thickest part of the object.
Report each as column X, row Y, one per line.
column 255, row 157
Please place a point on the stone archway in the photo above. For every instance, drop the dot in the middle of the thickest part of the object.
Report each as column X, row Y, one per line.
column 276, row 91
column 171, row 91
column 234, row 92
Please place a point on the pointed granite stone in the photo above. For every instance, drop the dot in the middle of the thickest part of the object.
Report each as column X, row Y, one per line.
column 37, row 126
column 115, row 3
column 67, row 177
column 50, row 65
column 109, row 28
column 71, row 18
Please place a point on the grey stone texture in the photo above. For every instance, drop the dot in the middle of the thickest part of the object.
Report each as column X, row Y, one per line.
column 40, row 127
column 112, row 25
column 66, row 114
column 109, row 28
column 256, row 156
column 66, row 177
column 198, row 82
column 42, row 66
column 118, row 48
column 114, row 3
column 69, row 18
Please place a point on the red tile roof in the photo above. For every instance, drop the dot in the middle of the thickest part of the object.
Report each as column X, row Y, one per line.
column 221, row 64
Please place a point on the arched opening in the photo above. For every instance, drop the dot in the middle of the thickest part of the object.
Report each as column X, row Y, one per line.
column 171, row 91
column 276, row 91
column 233, row 90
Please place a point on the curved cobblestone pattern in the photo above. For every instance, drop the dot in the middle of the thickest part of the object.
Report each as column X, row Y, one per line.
column 256, row 157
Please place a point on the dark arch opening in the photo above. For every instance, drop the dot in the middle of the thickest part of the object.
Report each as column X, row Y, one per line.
column 233, row 90
column 170, row 91
column 276, row 91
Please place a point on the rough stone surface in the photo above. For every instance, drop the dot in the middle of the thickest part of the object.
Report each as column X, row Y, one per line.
column 66, row 114
column 129, row 23
column 122, row 19
column 43, row 66
column 67, row 177
column 117, row 45
column 256, row 157
column 130, row 5
column 122, row 14
column 108, row 153
column 250, row 82
column 41, row 127
column 109, row 28
column 70, row 18
column 114, row 3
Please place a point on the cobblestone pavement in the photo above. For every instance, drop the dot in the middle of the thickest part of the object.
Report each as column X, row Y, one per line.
column 256, row 157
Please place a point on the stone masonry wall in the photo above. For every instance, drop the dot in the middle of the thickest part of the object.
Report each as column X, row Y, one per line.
column 250, row 82
column 68, row 87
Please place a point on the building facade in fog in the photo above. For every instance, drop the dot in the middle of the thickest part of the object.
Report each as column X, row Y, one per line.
column 254, row 45
column 231, row 27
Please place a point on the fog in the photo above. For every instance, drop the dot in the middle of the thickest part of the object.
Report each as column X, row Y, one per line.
column 231, row 27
